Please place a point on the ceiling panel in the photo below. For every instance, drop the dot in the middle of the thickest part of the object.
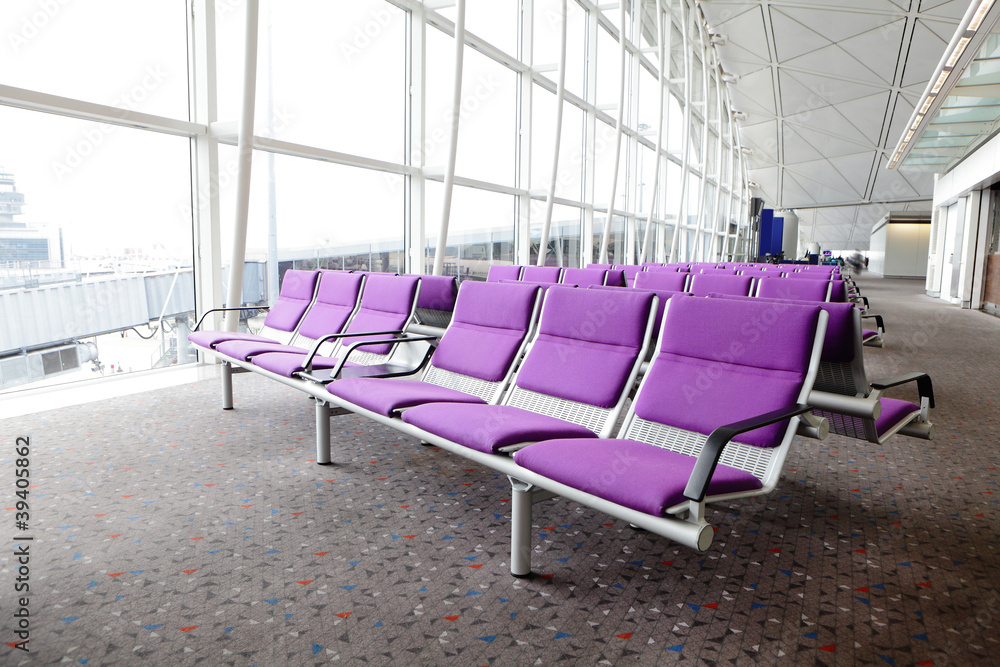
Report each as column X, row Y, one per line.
column 848, row 73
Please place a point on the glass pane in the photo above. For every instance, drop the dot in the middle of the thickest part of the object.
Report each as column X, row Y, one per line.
column 126, row 54
column 480, row 231
column 336, row 80
column 547, row 33
column 563, row 248
column 96, row 248
column 569, row 176
column 494, row 21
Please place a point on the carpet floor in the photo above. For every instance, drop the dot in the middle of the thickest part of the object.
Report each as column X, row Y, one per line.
column 166, row 531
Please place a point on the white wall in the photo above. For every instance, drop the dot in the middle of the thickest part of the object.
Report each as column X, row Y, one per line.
column 899, row 249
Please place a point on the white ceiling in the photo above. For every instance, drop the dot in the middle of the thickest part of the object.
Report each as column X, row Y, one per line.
column 827, row 88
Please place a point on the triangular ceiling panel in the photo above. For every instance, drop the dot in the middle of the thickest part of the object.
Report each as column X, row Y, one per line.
column 792, row 39
column 835, row 62
column 835, row 24
column 878, row 49
column 849, row 73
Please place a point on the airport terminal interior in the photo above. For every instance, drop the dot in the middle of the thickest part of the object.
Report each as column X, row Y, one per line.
column 500, row 333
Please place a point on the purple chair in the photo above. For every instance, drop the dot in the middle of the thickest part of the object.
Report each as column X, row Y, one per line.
column 541, row 274
column 802, row 290
column 662, row 280
column 616, row 278
column 500, row 272
column 584, row 277
column 703, row 284
column 298, row 289
column 437, row 300
column 664, row 297
column 386, row 309
column 853, row 405
column 573, row 382
column 630, row 271
column 712, row 420
column 720, row 271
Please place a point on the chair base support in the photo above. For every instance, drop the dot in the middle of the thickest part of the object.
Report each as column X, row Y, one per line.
column 227, row 386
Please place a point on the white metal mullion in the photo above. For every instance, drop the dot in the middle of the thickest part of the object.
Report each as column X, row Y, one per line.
column 416, row 115
column 606, row 234
column 522, row 227
column 234, row 296
column 205, row 162
column 716, row 251
column 449, row 173
column 590, row 136
column 701, row 225
column 560, row 97
column 647, row 235
column 633, row 151
column 685, row 141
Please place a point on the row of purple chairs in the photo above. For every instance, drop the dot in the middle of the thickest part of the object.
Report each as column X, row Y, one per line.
column 712, row 419
column 552, row 275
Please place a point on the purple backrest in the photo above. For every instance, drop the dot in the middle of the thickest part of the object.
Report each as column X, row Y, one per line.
column 541, row 274
column 720, row 271
column 683, row 268
column 840, row 345
column 437, row 292
column 803, row 290
column 297, row 289
column 487, row 329
column 500, row 272
column 616, row 278
column 663, row 295
column 805, row 275
column 599, row 266
column 630, row 271
column 386, row 305
column 665, row 280
column 335, row 301
column 838, row 291
column 722, row 361
column 584, row 277
column 703, row 284
column 587, row 344
column 663, row 269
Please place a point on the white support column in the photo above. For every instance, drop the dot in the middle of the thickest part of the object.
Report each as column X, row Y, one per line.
column 234, row 296
column 587, row 245
column 560, row 98
column 699, row 236
column 663, row 76
column 456, row 108
column 681, row 227
column 416, row 112
column 205, row 163
column 609, row 218
column 714, row 248
column 522, row 228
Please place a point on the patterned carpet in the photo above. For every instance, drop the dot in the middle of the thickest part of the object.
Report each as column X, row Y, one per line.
column 167, row 531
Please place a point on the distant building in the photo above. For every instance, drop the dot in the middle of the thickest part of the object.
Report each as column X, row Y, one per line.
column 25, row 245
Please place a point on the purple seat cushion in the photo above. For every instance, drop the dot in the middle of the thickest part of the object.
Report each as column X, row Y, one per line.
column 587, row 343
column 868, row 333
column 487, row 428
column 385, row 306
column 245, row 349
column 725, row 360
column 297, row 288
column 209, row 339
column 437, row 292
column 289, row 363
column 704, row 283
column 385, row 396
column 487, row 329
column 633, row 474
column 802, row 290
column 541, row 274
column 500, row 272
column 667, row 279
column 894, row 411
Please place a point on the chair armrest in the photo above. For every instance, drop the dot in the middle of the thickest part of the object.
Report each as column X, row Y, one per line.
column 315, row 348
column 704, row 467
column 223, row 310
column 342, row 358
column 879, row 322
column 925, row 387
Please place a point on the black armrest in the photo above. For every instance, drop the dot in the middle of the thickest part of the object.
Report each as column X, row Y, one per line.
column 924, row 385
column 704, row 467
column 315, row 348
column 879, row 322
column 223, row 310
column 342, row 359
